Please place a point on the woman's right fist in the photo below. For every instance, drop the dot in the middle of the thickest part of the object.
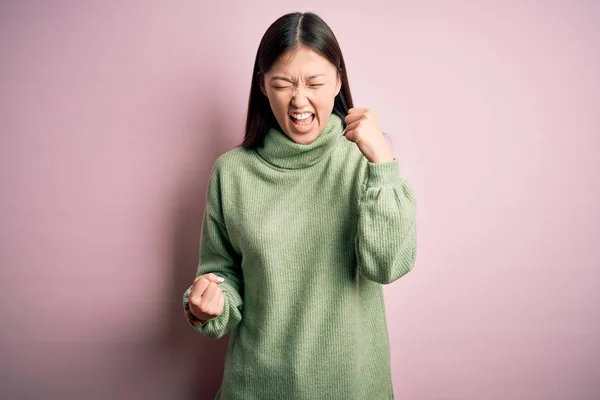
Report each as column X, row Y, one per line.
column 206, row 297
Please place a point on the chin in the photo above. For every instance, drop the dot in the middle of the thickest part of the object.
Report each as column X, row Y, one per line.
column 303, row 138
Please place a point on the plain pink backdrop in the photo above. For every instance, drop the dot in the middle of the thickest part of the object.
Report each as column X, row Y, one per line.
column 112, row 113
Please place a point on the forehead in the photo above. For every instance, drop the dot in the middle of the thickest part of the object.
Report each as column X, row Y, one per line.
column 301, row 61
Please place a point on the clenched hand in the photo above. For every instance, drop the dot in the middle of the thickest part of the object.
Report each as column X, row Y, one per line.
column 206, row 297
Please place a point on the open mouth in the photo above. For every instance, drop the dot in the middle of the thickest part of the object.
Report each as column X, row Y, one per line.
column 302, row 121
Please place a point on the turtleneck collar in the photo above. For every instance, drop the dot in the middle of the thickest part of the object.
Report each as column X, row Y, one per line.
column 278, row 149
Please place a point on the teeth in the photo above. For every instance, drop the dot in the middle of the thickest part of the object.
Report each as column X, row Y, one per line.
column 301, row 116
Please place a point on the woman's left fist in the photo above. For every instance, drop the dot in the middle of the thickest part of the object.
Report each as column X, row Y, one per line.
column 362, row 128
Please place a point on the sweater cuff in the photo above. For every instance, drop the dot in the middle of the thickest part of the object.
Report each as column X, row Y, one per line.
column 383, row 174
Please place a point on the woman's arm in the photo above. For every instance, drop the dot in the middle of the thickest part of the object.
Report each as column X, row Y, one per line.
column 386, row 235
column 218, row 256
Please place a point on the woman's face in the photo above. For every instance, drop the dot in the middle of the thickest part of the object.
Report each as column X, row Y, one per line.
column 301, row 88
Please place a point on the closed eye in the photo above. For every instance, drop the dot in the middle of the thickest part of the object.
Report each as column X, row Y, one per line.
column 316, row 85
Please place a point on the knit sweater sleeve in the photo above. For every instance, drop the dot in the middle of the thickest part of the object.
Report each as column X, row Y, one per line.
column 218, row 256
column 385, row 241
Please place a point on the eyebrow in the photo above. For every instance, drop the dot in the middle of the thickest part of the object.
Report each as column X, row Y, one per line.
column 283, row 78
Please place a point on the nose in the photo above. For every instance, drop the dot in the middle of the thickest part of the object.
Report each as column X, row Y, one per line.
column 299, row 99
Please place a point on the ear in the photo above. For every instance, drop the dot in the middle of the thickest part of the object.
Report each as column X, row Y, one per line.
column 338, row 85
column 261, row 84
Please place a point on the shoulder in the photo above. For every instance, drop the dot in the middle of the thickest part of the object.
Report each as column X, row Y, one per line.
column 233, row 160
column 224, row 169
column 232, row 167
column 233, row 157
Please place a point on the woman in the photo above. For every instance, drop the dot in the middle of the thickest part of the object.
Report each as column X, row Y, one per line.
column 303, row 224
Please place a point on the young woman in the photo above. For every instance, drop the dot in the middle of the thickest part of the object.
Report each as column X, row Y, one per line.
column 303, row 224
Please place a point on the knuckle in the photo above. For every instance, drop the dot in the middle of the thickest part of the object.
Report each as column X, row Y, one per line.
column 195, row 301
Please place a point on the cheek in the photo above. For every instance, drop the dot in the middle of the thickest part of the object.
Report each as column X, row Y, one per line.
column 279, row 101
column 324, row 101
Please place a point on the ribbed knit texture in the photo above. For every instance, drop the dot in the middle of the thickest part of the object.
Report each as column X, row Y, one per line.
column 304, row 236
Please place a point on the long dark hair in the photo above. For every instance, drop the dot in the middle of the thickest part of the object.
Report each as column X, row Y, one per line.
column 285, row 34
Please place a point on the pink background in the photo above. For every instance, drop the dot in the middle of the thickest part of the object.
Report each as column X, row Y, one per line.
column 112, row 113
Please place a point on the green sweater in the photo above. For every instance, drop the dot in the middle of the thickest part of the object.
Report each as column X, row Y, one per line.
column 305, row 235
